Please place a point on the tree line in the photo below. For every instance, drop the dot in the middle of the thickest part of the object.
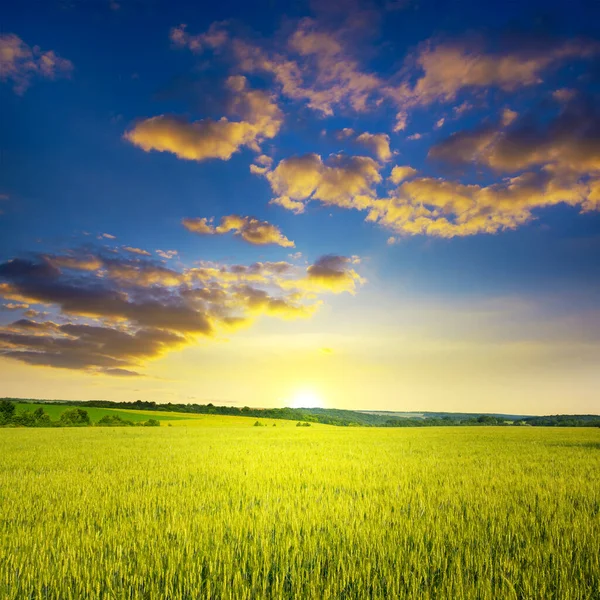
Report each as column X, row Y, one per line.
column 341, row 417
column 72, row 417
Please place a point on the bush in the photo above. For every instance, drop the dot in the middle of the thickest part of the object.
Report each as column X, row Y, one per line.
column 114, row 421
column 75, row 417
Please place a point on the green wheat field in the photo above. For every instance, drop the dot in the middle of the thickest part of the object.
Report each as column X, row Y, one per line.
column 212, row 507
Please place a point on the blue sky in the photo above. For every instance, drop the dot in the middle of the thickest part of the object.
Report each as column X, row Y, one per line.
column 421, row 172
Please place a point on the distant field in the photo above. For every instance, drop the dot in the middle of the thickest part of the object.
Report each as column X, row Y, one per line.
column 227, row 510
column 166, row 417
column 55, row 410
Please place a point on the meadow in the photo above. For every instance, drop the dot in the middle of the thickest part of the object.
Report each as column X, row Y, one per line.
column 55, row 410
column 216, row 508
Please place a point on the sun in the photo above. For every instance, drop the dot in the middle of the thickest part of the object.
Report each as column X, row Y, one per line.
column 306, row 399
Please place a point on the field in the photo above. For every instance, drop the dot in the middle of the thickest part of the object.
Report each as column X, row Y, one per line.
column 55, row 410
column 227, row 510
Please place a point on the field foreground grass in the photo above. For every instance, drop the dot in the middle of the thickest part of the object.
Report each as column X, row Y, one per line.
column 235, row 511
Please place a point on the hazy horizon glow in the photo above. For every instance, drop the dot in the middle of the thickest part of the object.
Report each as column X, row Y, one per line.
column 354, row 204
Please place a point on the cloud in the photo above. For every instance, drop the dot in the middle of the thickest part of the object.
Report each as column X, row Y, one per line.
column 313, row 67
column 564, row 94
column 214, row 38
column 206, row 138
column 21, row 63
column 448, row 68
column 167, row 254
column 95, row 348
column 345, row 181
column 399, row 174
column 378, row 143
column 14, row 306
column 129, row 311
column 136, row 251
column 570, row 141
column 201, row 225
column 333, row 273
column 250, row 229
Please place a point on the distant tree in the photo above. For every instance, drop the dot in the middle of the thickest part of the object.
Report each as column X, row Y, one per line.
column 7, row 411
column 24, row 419
column 41, row 418
column 75, row 417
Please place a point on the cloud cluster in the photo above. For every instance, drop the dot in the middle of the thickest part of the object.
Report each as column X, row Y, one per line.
column 121, row 311
column 316, row 65
column 206, row 138
column 21, row 63
column 443, row 208
column 250, row 229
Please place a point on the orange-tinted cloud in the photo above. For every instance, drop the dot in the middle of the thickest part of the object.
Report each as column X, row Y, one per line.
column 21, row 63
column 250, row 229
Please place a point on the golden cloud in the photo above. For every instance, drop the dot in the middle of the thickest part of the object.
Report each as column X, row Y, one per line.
column 205, row 139
column 250, row 229
column 378, row 143
column 345, row 181
column 399, row 173
column 447, row 209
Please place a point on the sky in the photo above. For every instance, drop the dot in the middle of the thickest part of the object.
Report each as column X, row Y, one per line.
column 379, row 205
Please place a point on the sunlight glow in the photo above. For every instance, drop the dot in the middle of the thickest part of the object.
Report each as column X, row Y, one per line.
column 306, row 399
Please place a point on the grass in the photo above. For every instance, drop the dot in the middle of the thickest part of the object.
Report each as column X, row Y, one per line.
column 227, row 510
